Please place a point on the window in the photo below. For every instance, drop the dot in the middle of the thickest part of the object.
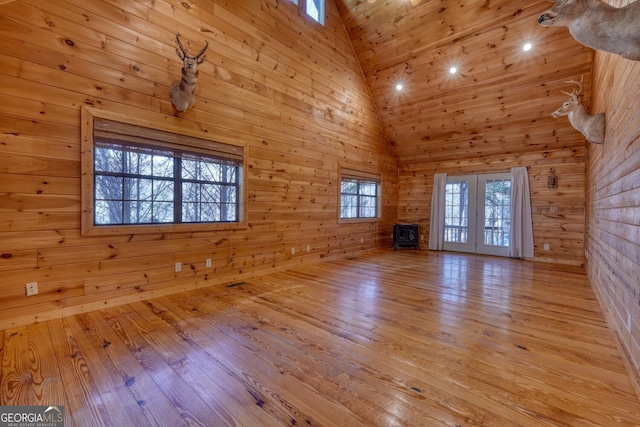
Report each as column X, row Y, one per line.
column 497, row 207
column 359, row 195
column 456, row 212
column 315, row 9
column 135, row 184
column 137, row 176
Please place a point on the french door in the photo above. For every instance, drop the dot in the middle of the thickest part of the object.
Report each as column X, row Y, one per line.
column 478, row 214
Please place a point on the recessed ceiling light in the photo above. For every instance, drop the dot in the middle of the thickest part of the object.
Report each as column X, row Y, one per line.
column 399, row 87
column 453, row 70
column 527, row 47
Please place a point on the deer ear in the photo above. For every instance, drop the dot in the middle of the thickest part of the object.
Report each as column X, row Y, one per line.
column 180, row 54
column 201, row 60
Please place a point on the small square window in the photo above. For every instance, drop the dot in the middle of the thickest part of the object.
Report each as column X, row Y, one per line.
column 359, row 195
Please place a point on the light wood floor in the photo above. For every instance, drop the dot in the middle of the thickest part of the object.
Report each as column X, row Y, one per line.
column 392, row 338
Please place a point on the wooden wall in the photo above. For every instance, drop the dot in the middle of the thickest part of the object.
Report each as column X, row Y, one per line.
column 493, row 117
column 562, row 229
column 613, row 202
column 543, row 143
column 274, row 80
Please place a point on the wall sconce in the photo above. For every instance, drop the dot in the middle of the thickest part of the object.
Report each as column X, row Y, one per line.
column 552, row 180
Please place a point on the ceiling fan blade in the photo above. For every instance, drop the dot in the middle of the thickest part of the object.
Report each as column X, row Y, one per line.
column 415, row 2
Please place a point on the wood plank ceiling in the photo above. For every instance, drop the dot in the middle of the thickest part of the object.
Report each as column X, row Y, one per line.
column 501, row 98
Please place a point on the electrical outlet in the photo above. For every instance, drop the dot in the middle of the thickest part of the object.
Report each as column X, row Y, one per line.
column 178, row 267
column 293, row 251
column 31, row 289
column 553, row 209
column 308, row 248
column 422, row 237
column 208, row 262
column 545, row 246
column 362, row 240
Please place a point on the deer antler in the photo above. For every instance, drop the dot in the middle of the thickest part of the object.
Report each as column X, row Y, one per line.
column 201, row 60
column 575, row 92
column 206, row 45
column 182, row 54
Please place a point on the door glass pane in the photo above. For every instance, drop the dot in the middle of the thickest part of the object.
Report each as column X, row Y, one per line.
column 456, row 212
column 497, row 215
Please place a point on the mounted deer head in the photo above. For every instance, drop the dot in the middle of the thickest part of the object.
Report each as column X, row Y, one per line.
column 590, row 125
column 598, row 25
column 181, row 92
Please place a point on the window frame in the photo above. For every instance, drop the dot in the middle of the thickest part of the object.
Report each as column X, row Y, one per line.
column 163, row 133
column 348, row 173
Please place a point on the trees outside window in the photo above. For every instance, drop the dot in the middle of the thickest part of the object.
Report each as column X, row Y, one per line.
column 135, row 185
column 477, row 213
column 138, row 179
column 358, row 198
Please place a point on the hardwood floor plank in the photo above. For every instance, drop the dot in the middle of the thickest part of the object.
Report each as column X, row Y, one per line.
column 411, row 366
column 15, row 388
column 120, row 379
column 245, row 389
column 386, row 321
column 288, row 360
column 406, row 338
column 84, row 402
column 356, row 374
column 142, row 342
column 2, row 374
column 174, row 342
column 48, row 390
column 228, row 339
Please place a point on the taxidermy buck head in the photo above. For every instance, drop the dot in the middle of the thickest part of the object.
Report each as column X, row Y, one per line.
column 590, row 125
column 181, row 92
column 598, row 25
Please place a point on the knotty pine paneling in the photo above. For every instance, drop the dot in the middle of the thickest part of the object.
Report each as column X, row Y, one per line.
column 501, row 98
column 289, row 89
column 613, row 203
column 562, row 230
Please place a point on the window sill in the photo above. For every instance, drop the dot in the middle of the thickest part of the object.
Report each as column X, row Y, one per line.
column 356, row 220
column 115, row 230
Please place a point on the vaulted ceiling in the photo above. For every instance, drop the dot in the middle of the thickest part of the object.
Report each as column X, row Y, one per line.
column 501, row 97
